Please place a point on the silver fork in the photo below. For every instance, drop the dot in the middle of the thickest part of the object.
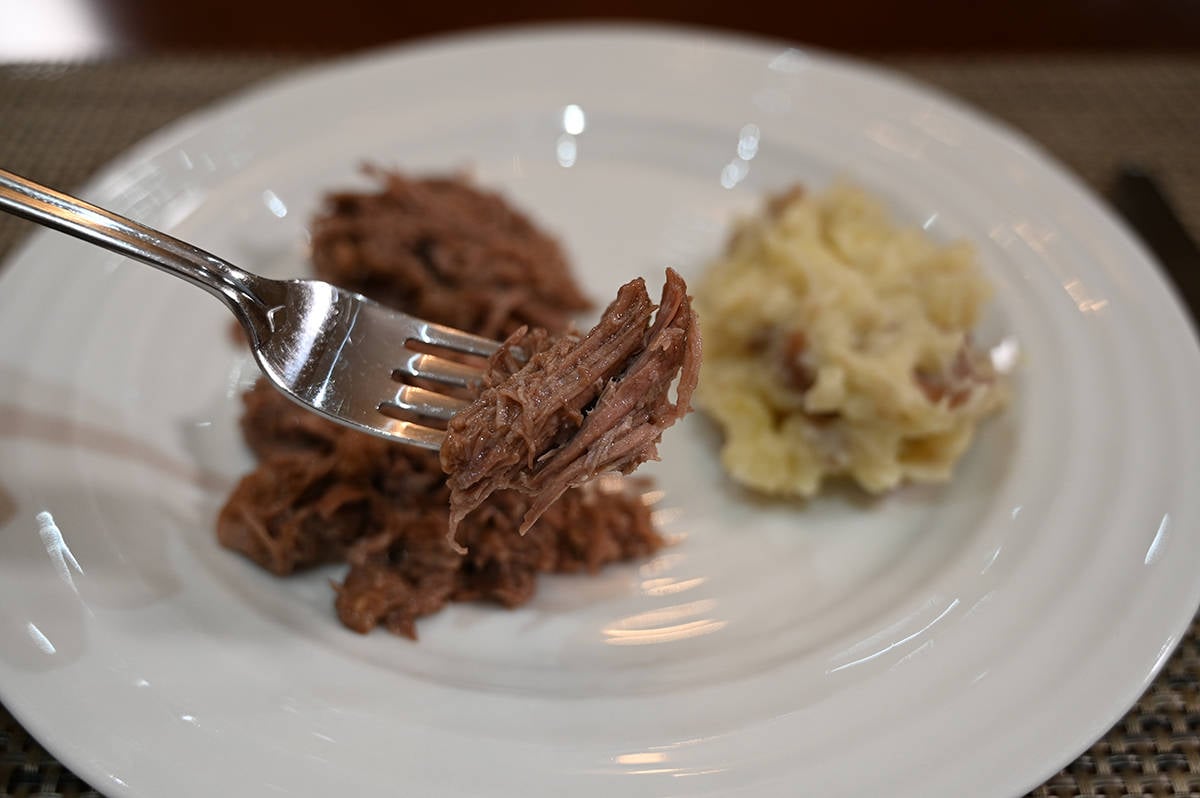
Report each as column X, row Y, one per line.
column 333, row 351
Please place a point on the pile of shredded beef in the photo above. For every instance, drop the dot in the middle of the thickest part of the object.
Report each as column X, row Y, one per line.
column 321, row 493
column 448, row 252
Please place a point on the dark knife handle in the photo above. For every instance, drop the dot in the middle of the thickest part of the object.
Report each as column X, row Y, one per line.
column 1140, row 199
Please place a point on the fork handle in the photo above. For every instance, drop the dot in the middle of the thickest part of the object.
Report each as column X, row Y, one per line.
column 240, row 290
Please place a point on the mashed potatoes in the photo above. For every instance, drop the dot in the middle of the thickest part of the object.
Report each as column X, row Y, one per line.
column 837, row 343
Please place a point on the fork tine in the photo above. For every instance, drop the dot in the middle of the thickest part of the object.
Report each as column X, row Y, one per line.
column 425, row 403
column 438, row 369
column 407, row 431
column 453, row 339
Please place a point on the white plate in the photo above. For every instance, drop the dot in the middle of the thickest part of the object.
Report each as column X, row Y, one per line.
column 963, row 641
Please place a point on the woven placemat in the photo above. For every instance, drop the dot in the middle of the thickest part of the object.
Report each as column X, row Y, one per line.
column 59, row 123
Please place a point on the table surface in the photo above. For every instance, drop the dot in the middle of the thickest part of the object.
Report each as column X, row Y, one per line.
column 1095, row 113
column 44, row 29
